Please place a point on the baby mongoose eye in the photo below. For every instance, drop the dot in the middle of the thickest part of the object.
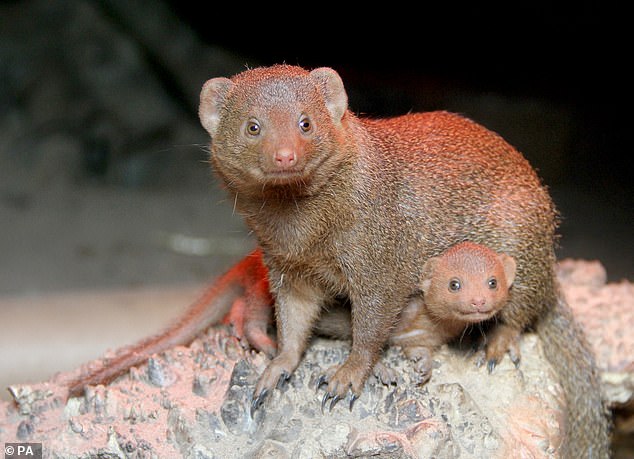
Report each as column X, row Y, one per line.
column 454, row 285
column 253, row 128
column 493, row 283
column 305, row 124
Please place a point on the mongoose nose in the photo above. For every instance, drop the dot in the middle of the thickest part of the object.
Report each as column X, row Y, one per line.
column 478, row 304
column 285, row 158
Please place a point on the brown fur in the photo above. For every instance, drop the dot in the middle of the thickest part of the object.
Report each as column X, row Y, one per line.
column 439, row 315
column 443, row 314
column 350, row 206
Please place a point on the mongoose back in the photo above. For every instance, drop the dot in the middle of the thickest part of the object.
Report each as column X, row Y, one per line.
column 347, row 206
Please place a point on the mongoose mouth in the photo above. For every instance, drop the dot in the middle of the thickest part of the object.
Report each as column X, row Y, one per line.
column 259, row 182
column 286, row 177
column 475, row 317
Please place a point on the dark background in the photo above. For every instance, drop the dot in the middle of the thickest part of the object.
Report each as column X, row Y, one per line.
column 111, row 87
column 570, row 58
column 551, row 78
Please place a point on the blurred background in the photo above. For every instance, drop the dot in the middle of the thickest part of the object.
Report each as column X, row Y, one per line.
column 110, row 218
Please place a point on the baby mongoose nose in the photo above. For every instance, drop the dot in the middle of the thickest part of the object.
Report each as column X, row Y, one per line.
column 285, row 158
column 479, row 304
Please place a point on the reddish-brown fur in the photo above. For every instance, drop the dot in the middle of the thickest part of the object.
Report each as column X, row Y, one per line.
column 349, row 206
column 364, row 200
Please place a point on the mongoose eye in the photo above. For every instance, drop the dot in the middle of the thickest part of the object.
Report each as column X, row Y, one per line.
column 305, row 124
column 454, row 285
column 253, row 128
column 493, row 283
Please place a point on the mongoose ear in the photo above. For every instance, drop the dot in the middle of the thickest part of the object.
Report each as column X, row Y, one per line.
column 333, row 91
column 509, row 265
column 427, row 274
column 212, row 98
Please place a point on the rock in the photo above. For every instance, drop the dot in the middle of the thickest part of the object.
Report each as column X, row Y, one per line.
column 589, row 273
column 606, row 314
column 198, row 401
column 450, row 416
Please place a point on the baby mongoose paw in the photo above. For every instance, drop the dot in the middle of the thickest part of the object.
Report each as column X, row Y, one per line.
column 503, row 339
column 385, row 375
column 423, row 372
column 422, row 359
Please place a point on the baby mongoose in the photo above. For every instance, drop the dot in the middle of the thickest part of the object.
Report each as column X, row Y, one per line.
column 344, row 206
column 465, row 285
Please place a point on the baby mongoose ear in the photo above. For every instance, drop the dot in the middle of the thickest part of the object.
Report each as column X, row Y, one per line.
column 427, row 274
column 509, row 265
column 212, row 98
column 333, row 91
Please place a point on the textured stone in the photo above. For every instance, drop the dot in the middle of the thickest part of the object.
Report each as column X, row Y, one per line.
column 204, row 411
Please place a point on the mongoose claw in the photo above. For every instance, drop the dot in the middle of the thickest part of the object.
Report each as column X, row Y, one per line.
column 284, row 377
column 333, row 402
column 258, row 401
column 480, row 358
column 491, row 364
column 353, row 398
column 320, row 382
column 334, row 399
column 516, row 360
column 327, row 395
column 514, row 354
column 423, row 378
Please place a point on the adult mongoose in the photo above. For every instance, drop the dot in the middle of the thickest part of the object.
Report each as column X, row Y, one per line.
column 348, row 206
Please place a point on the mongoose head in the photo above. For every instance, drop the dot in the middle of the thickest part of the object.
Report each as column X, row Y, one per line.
column 468, row 282
column 275, row 127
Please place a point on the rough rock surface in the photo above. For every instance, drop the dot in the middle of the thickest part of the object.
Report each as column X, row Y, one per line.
column 606, row 313
column 195, row 401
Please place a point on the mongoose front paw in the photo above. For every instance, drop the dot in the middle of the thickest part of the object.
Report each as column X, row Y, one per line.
column 421, row 357
column 343, row 382
column 275, row 376
column 502, row 339
column 423, row 371
column 251, row 327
